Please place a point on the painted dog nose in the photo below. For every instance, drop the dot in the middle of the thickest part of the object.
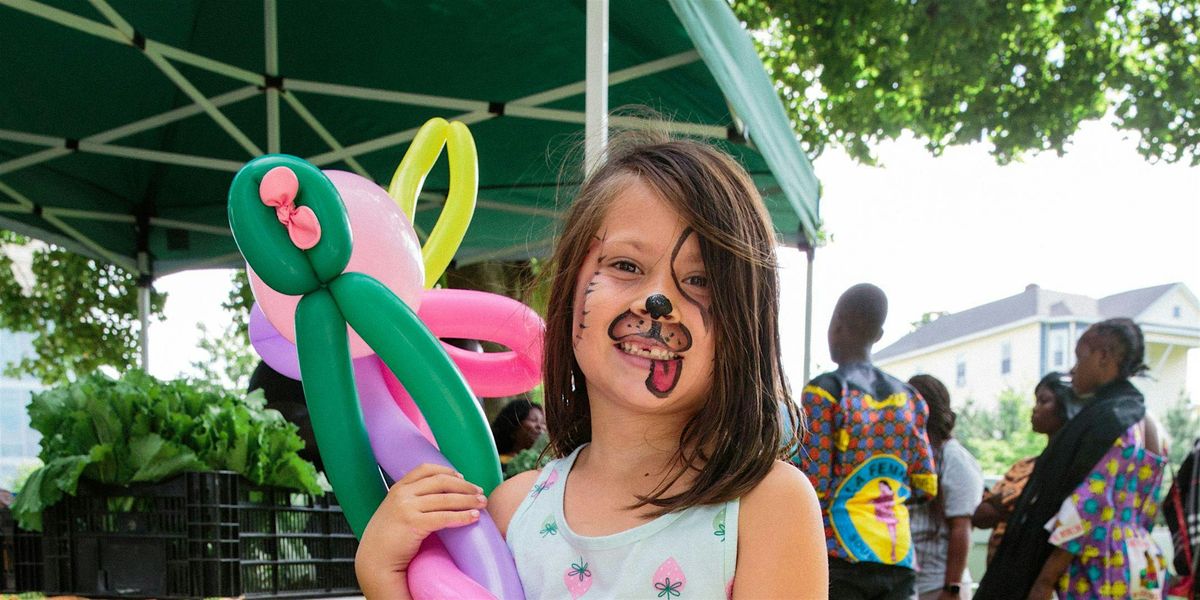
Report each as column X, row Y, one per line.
column 658, row 306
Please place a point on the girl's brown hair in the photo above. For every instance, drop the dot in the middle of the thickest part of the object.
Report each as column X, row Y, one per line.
column 736, row 435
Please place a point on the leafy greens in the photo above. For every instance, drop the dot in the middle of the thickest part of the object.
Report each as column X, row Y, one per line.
column 140, row 429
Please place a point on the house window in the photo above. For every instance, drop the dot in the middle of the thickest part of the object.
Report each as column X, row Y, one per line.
column 1005, row 358
column 1058, row 349
column 960, row 372
column 1176, row 312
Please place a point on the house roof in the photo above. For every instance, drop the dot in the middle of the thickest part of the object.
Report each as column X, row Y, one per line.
column 1133, row 302
column 1032, row 302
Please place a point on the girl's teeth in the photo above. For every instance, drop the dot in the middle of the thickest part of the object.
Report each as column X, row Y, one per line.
column 651, row 353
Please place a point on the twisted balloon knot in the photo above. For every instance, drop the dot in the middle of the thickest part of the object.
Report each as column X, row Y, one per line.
column 278, row 190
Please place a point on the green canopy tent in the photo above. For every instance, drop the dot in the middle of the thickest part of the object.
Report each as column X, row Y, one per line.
column 122, row 124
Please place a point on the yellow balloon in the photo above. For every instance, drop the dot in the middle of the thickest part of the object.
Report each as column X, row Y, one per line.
column 416, row 164
column 451, row 226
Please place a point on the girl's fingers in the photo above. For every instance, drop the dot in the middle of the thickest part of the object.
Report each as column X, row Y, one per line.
column 435, row 503
column 443, row 484
column 427, row 470
column 436, row 521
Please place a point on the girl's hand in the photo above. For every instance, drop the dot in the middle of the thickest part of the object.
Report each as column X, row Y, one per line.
column 428, row 498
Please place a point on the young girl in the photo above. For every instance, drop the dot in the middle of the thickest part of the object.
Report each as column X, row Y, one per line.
column 1081, row 526
column 664, row 390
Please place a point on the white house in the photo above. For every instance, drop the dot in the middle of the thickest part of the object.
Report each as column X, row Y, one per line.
column 1013, row 342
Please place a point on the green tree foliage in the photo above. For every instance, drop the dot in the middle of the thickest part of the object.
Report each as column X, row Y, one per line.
column 927, row 318
column 1020, row 74
column 1000, row 436
column 83, row 313
column 1182, row 422
column 230, row 359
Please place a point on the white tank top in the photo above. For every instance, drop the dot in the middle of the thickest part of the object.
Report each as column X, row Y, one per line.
column 686, row 554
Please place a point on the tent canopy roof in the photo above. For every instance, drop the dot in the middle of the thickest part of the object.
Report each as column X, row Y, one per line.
column 121, row 126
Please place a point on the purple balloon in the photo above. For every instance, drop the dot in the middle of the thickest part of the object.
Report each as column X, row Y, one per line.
column 275, row 350
column 478, row 549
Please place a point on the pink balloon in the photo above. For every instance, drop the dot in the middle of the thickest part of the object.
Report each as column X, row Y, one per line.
column 433, row 574
column 407, row 405
column 475, row 315
column 385, row 247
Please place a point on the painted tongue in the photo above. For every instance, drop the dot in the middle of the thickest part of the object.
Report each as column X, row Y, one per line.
column 664, row 374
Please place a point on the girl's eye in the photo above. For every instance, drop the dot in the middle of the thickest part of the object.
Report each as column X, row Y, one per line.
column 697, row 280
column 628, row 267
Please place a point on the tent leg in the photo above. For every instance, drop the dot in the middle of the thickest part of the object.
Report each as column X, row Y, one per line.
column 596, row 90
column 145, row 285
column 144, row 317
column 271, row 41
column 808, row 302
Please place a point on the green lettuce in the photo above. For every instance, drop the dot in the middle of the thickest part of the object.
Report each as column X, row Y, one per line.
column 140, row 429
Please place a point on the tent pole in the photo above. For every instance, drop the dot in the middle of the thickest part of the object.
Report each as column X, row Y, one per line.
column 145, row 283
column 271, row 40
column 809, row 252
column 596, row 93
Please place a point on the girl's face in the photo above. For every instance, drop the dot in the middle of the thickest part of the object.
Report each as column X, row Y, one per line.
column 1095, row 364
column 1045, row 418
column 642, row 325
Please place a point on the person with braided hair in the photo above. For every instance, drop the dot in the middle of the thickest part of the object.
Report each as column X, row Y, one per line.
column 1081, row 527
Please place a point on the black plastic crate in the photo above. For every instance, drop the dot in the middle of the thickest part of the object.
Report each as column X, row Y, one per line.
column 197, row 535
column 20, row 557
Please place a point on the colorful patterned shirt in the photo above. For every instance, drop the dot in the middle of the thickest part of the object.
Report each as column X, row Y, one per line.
column 1106, row 524
column 1004, row 496
column 867, row 454
column 691, row 553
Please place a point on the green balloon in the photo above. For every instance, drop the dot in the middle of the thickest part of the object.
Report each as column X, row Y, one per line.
column 387, row 324
column 337, row 419
column 418, row 360
column 265, row 242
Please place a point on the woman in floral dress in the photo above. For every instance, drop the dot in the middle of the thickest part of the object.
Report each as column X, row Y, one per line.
column 1102, row 530
column 1081, row 526
column 1105, row 525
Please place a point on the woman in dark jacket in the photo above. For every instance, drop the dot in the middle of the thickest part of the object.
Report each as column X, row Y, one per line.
column 1070, row 519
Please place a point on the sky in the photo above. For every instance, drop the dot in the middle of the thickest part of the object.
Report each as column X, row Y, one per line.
column 936, row 233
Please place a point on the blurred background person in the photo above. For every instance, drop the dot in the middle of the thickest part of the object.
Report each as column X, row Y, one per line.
column 1052, row 397
column 1081, row 527
column 286, row 395
column 517, row 426
column 941, row 528
column 1182, row 512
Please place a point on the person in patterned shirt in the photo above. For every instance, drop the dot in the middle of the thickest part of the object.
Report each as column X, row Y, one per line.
column 867, row 454
column 1081, row 527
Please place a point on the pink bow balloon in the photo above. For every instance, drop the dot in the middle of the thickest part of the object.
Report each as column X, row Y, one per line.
column 278, row 189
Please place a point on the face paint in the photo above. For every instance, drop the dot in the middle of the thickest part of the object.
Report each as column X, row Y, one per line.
column 587, row 291
column 675, row 254
column 658, row 306
column 628, row 359
column 661, row 342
